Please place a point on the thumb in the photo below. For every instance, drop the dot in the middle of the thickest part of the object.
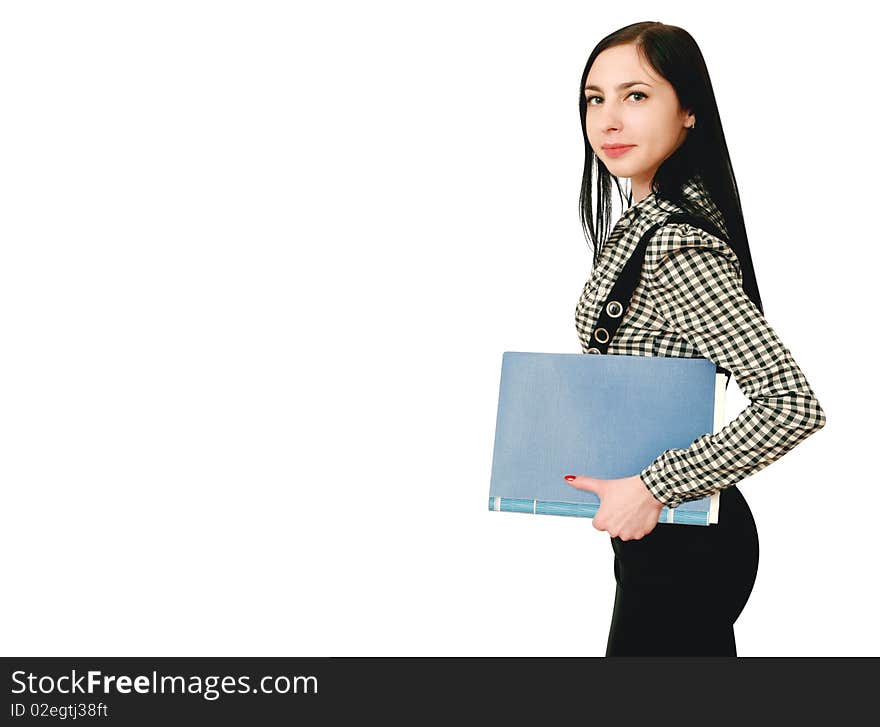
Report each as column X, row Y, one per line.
column 583, row 482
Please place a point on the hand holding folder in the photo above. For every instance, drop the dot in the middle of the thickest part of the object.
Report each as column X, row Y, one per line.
column 602, row 416
column 627, row 509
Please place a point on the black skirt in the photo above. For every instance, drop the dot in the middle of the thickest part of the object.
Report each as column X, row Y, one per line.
column 681, row 587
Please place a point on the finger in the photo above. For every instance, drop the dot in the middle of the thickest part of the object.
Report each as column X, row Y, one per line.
column 631, row 536
column 582, row 482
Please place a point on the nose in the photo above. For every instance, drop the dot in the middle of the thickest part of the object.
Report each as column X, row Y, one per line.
column 604, row 119
column 610, row 124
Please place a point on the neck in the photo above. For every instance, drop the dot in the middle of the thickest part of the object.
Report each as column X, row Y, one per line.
column 641, row 188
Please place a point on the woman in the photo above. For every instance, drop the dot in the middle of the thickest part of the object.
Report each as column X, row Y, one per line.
column 648, row 113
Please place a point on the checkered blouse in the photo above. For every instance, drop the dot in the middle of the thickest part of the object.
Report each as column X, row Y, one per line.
column 690, row 303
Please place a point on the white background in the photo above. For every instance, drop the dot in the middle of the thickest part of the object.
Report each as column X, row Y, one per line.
column 259, row 265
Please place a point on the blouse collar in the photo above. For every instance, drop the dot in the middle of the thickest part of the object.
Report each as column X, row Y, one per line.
column 653, row 208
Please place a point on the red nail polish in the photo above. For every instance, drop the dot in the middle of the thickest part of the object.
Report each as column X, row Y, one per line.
column 570, row 478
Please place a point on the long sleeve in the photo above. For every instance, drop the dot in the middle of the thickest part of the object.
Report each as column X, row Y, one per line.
column 695, row 284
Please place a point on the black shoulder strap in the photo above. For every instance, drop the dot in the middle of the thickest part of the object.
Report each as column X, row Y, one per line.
column 618, row 300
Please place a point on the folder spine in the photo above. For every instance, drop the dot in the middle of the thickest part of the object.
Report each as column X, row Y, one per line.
column 578, row 509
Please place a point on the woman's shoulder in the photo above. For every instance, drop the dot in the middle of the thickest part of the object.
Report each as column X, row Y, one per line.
column 690, row 240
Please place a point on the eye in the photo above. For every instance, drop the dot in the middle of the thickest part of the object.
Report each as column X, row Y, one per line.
column 590, row 98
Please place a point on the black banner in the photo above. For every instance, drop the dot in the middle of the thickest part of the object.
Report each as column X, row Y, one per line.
column 258, row 690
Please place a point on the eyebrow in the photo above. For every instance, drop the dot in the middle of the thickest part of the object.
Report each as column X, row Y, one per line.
column 622, row 86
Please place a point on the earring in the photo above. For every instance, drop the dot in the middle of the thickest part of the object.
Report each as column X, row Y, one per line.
column 693, row 124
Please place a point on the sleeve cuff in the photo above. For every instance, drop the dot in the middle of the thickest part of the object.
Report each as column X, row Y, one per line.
column 658, row 488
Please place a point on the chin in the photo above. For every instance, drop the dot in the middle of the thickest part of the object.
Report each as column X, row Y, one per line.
column 619, row 168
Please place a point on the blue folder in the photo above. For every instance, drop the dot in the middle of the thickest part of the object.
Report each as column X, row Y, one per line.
column 604, row 416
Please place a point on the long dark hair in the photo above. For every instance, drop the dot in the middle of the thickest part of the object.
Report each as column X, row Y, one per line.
column 674, row 54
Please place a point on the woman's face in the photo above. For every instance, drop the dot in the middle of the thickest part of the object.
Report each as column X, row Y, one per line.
column 646, row 115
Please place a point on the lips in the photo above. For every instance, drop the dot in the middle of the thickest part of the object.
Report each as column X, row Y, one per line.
column 615, row 150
